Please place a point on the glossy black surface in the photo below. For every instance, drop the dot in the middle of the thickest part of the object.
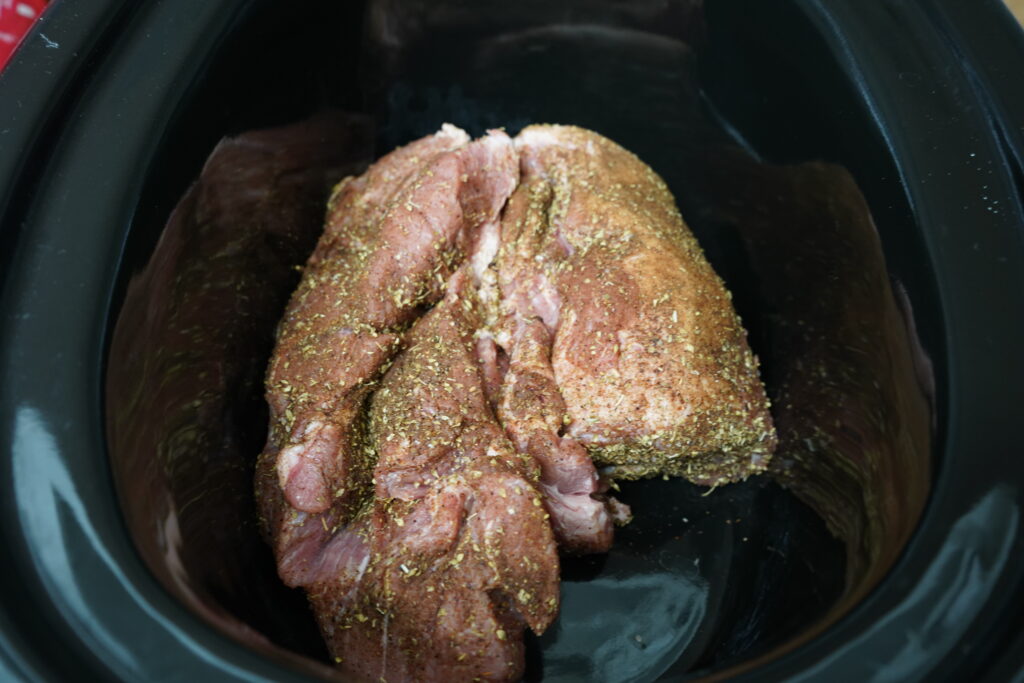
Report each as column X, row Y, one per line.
column 874, row 87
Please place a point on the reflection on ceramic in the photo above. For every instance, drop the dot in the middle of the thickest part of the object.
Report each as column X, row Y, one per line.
column 940, row 608
column 626, row 640
column 47, row 492
column 188, row 358
column 851, row 388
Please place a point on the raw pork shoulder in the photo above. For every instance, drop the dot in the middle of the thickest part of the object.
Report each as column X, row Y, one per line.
column 482, row 322
column 648, row 353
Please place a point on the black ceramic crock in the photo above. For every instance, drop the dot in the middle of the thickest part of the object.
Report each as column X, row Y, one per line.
column 108, row 111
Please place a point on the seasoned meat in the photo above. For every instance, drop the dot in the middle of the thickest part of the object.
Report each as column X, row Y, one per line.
column 462, row 343
column 457, row 556
column 393, row 237
column 648, row 354
column 533, row 413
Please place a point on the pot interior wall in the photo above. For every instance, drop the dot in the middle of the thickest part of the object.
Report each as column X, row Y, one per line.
column 695, row 582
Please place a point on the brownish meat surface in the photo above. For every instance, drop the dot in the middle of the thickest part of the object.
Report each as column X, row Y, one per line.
column 393, row 237
column 480, row 323
column 648, row 353
column 453, row 556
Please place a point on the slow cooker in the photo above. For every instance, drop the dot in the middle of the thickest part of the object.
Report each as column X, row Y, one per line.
column 130, row 554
